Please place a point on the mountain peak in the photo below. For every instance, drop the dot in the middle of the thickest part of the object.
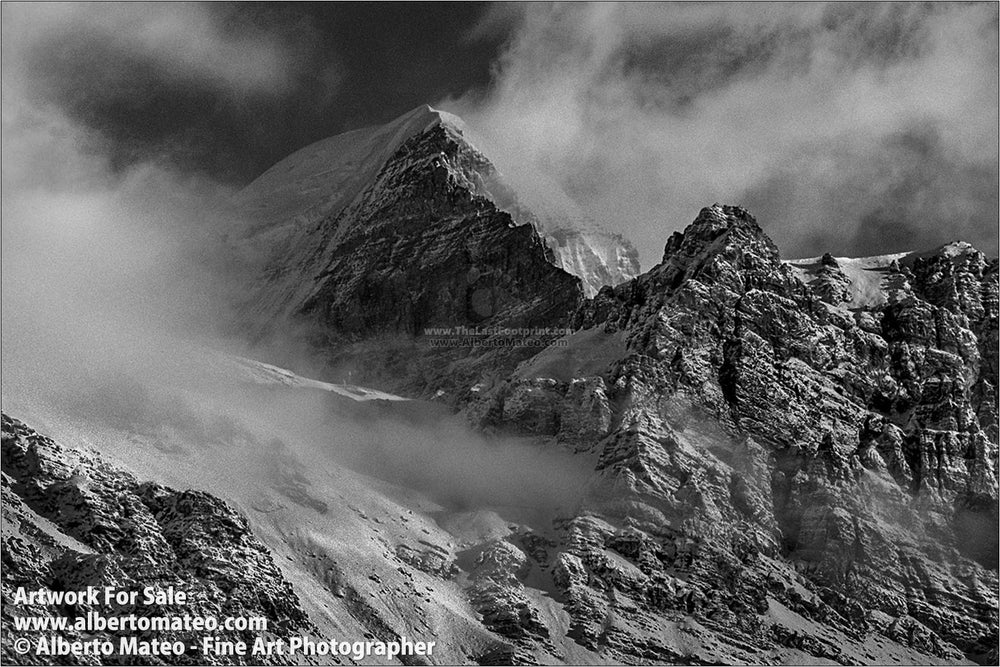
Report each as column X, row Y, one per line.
column 423, row 117
column 723, row 216
column 714, row 222
column 299, row 185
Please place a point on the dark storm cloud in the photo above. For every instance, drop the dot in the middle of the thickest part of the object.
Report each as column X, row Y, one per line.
column 905, row 191
column 186, row 41
column 230, row 88
column 855, row 128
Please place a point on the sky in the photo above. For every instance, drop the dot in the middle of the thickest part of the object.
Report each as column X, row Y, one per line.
column 852, row 128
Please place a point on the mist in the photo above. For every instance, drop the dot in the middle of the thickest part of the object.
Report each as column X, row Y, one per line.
column 121, row 301
column 857, row 129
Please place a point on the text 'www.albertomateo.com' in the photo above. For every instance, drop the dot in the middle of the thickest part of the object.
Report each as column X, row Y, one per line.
column 184, row 633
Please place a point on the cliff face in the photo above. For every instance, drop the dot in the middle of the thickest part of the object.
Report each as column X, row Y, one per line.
column 764, row 447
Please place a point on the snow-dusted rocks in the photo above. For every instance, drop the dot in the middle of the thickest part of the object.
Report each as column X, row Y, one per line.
column 800, row 455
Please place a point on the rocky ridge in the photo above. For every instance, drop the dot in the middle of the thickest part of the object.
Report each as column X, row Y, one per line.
column 763, row 448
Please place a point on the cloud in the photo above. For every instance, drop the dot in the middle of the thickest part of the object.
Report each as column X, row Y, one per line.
column 103, row 268
column 646, row 113
column 99, row 268
column 186, row 41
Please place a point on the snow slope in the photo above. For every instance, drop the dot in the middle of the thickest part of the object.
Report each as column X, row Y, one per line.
column 368, row 558
column 866, row 274
column 322, row 178
column 265, row 374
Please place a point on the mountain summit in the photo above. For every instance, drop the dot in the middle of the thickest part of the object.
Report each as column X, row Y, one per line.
column 322, row 178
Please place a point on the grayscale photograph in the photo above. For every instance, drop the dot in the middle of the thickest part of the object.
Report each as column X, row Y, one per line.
column 473, row 333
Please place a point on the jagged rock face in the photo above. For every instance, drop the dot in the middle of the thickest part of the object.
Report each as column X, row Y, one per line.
column 771, row 451
column 72, row 520
column 423, row 249
column 575, row 412
column 831, row 284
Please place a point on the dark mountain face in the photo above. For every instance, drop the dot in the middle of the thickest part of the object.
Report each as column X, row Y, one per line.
column 424, row 249
column 426, row 235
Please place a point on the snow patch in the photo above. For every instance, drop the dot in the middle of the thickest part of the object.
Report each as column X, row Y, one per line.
column 867, row 275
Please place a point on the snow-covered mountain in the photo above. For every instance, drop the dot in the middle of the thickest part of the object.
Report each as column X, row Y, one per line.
column 326, row 180
column 418, row 243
